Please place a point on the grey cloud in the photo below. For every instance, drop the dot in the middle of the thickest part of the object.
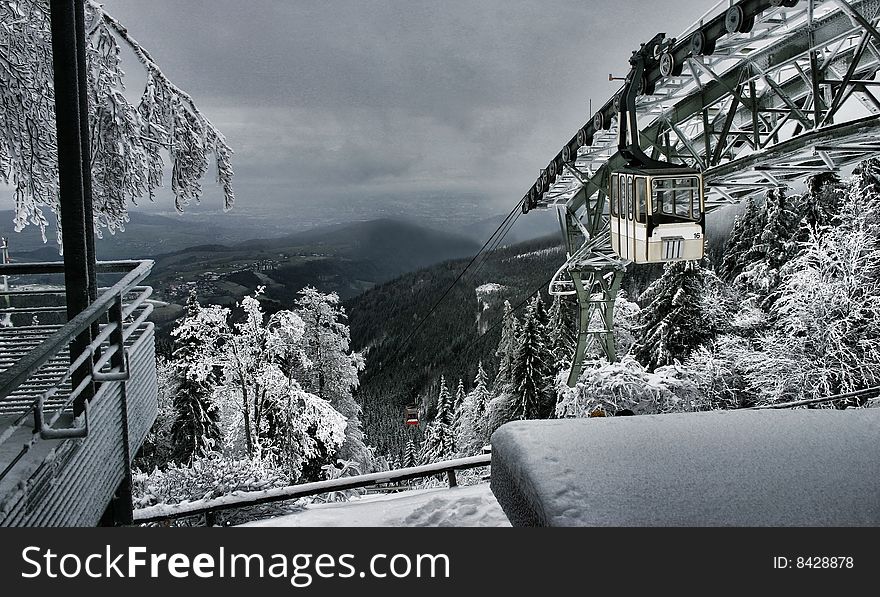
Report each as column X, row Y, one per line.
column 354, row 98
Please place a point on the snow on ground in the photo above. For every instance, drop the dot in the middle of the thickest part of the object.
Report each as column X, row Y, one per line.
column 472, row 506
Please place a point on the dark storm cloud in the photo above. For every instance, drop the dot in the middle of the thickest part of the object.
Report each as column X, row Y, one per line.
column 354, row 98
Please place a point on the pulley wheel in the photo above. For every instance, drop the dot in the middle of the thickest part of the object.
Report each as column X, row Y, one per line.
column 700, row 45
column 667, row 64
column 733, row 19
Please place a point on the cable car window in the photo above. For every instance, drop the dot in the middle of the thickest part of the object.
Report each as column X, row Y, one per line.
column 676, row 196
column 629, row 198
column 614, row 193
column 641, row 199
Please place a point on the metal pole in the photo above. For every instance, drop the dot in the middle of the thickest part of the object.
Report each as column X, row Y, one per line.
column 83, row 94
column 86, row 149
column 70, row 175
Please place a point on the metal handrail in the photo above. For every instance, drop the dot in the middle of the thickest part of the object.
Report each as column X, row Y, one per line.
column 810, row 401
column 255, row 498
column 21, row 370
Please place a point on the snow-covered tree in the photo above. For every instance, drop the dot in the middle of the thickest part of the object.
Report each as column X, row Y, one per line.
column 252, row 351
column 828, row 306
column 409, row 455
column 822, row 202
column 457, row 403
column 128, row 140
column 332, row 373
column 444, row 404
column 472, row 434
column 777, row 244
column 672, row 322
column 265, row 413
column 747, row 229
column 626, row 323
column 608, row 388
column 531, row 374
column 439, row 442
column 506, row 348
column 196, row 431
column 561, row 332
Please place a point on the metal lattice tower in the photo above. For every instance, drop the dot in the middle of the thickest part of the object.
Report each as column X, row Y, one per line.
column 756, row 94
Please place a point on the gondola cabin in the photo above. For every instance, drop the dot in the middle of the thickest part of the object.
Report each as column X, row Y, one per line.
column 411, row 415
column 657, row 215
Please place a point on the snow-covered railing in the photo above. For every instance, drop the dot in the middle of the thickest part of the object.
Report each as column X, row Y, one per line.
column 208, row 508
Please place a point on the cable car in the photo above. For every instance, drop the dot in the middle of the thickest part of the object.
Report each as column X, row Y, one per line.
column 656, row 208
column 657, row 215
column 411, row 415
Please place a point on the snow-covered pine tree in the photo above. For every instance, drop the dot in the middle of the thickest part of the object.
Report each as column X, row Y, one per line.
column 444, row 403
column 409, row 454
column 531, row 395
column 439, row 441
column 127, row 140
column 560, row 332
column 672, row 323
column 506, row 349
column 744, row 235
column 777, row 244
column 822, row 202
column 472, row 433
column 457, row 407
column 195, row 430
column 540, row 309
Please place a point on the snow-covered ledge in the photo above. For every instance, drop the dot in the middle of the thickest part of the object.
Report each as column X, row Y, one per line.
column 734, row 468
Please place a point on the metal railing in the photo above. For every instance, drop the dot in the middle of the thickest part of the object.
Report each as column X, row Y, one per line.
column 39, row 380
column 210, row 507
column 857, row 395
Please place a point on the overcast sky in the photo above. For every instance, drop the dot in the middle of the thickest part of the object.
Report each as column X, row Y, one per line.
column 348, row 100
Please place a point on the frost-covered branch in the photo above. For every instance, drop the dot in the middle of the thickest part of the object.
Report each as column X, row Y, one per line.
column 129, row 142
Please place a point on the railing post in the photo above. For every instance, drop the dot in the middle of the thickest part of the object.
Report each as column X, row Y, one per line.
column 120, row 510
column 117, row 362
column 450, row 475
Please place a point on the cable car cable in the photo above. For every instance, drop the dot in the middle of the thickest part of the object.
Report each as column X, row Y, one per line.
column 433, row 308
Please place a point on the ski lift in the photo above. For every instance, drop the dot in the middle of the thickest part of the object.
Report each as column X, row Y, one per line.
column 657, row 209
column 411, row 415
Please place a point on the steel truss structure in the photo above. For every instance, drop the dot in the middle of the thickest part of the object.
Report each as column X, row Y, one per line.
column 757, row 94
